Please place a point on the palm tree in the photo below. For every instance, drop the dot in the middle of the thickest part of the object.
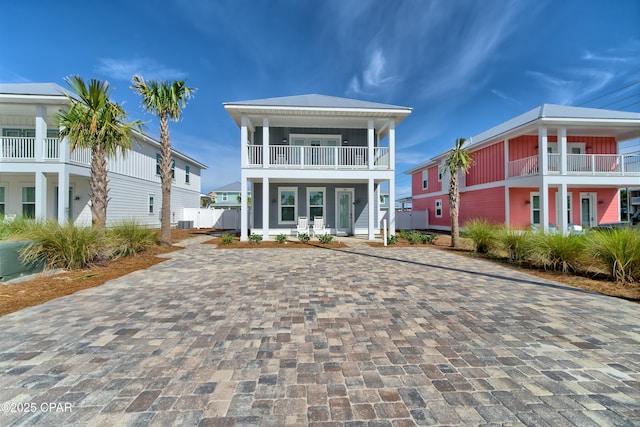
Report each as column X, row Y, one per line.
column 93, row 121
column 166, row 100
column 458, row 160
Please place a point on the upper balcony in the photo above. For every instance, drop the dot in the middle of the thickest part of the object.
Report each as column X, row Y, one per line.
column 25, row 149
column 323, row 157
column 578, row 165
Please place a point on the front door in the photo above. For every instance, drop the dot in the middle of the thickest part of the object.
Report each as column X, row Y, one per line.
column 345, row 212
column 587, row 210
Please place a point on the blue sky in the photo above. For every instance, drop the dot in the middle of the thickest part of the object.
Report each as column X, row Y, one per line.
column 463, row 66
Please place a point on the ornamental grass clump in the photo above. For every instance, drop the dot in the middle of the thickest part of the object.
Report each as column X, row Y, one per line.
column 130, row 238
column 517, row 243
column 65, row 246
column 558, row 252
column 17, row 228
column 617, row 251
column 483, row 234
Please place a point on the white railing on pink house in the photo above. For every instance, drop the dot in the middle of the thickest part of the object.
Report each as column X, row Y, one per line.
column 314, row 157
column 579, row 164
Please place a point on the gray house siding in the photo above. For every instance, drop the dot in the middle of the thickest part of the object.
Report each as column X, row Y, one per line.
column 356, row 137
column 360, row 204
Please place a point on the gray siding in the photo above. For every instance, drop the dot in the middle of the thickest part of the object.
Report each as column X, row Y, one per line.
column 356, row 137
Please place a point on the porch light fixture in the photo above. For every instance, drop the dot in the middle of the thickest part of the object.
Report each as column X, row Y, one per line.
column 76, row 198
column 527, row 202
column 601, row 202
column 284, row 140
column 345, row 142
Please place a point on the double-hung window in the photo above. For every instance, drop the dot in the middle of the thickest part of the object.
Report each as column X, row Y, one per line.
column 29, row 202
column 186, row 174
column 316, row 198
column 439, row 208
column 151, row 200
column 287, row 205
column 425, row 179
column 2, row 201
column 535, row 208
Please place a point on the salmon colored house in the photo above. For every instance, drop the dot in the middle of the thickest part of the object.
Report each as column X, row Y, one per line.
column 553, row 166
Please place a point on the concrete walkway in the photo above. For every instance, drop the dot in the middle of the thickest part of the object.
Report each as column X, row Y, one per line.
column 359, row 337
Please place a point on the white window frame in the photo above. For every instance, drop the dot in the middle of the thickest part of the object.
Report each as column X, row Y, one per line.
column 438, row 208
column 187, row 171
column 324, row 140
column 28, row 203
column 324, row 201
column 3, row 200
column 569, row 212
column 425, row 179
column 295, row 204
column 532, row 209
column 440, row 172
column 150, row 203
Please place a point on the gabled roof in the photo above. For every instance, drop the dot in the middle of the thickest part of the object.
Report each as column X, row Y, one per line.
column 234, row 186
column 46, row 89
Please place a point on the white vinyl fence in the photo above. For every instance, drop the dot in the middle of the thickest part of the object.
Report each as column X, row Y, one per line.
column 412, row 220
column 221, row 219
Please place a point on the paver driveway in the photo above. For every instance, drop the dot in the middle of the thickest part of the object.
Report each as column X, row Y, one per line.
column 362, row 336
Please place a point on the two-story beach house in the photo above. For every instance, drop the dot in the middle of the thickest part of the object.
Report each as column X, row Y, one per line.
column 228, row 196
column 551, row 167
column 40, row 177
column 316, row 156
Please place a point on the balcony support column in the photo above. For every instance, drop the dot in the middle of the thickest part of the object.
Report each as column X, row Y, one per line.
column 41, row 195
column 41, row 133
column 564, row 207
column 265, row 208
column 244, row 142
column 392, row 143
column 507, row 217
column 244, row 212
column 543, row 157
column 371, row 194
column 392, row 205
column 265, row 142
column 370, row 142
column 544, row 205
column 562, row 148
column 63, row 196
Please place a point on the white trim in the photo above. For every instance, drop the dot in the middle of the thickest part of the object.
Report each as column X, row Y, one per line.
column 593, row 214
column 425, row 178
column 295, row 204
column 569, row 207
column 323, row 138
column 438, row 201
column 150, row 206
column 533, row 194
column 352, row 193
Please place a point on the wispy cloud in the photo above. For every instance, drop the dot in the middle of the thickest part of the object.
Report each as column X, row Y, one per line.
column 124, row 69
column 505, row 97
column 374, row 77
column 567, row 91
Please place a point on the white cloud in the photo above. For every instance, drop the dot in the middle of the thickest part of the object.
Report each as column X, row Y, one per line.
column 569, row 91
column 502, row 95
column 124, row 69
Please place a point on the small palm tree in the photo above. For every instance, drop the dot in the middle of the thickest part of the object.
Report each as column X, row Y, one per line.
column 166, row 100
column 458, row 160
column 93, row 121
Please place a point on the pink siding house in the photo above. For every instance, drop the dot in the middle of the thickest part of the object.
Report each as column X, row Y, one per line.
column 552, row 166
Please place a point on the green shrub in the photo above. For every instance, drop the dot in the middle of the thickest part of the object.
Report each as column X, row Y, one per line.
column 392, row 240
column 17, row 228
column 429, row 239
column 227, row 239
column 517, row 243
column 483, row 234
column 304, row 237
column 413, row 237
column 255, row 238
column 129, row 238
column 616, row 251
column 325, row 238
column 65, row 246
column 559, row 252
column 281, row 238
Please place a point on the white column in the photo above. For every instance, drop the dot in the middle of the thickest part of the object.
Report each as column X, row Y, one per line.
column 507, row 202
column 544, row 205
column 564, row 221
column 507, row 213
column 392, row 144
column 244, row 213
column 392, row 205
column 370, row 205
column 370, row 142
column 41, row 132
column 562, row 149
column 65, row 150
column 63, row 197
column 266, row 200
column 265, row 143
column 41, row 195
column 244, row 142
column 542, row 151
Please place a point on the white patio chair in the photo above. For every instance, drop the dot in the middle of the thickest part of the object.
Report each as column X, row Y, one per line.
column 302, row 226
column 318, row 226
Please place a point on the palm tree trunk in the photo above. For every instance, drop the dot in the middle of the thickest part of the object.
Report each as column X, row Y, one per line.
column 99, row 187
column 165, row 178
column 453, row 208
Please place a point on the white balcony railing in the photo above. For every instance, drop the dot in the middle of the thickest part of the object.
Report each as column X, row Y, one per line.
column 323, row 157
column 17, row 148
column 580, row 164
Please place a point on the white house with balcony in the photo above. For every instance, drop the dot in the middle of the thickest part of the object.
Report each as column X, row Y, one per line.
column 552, row 167
column 40, row 177
column 316, row 156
